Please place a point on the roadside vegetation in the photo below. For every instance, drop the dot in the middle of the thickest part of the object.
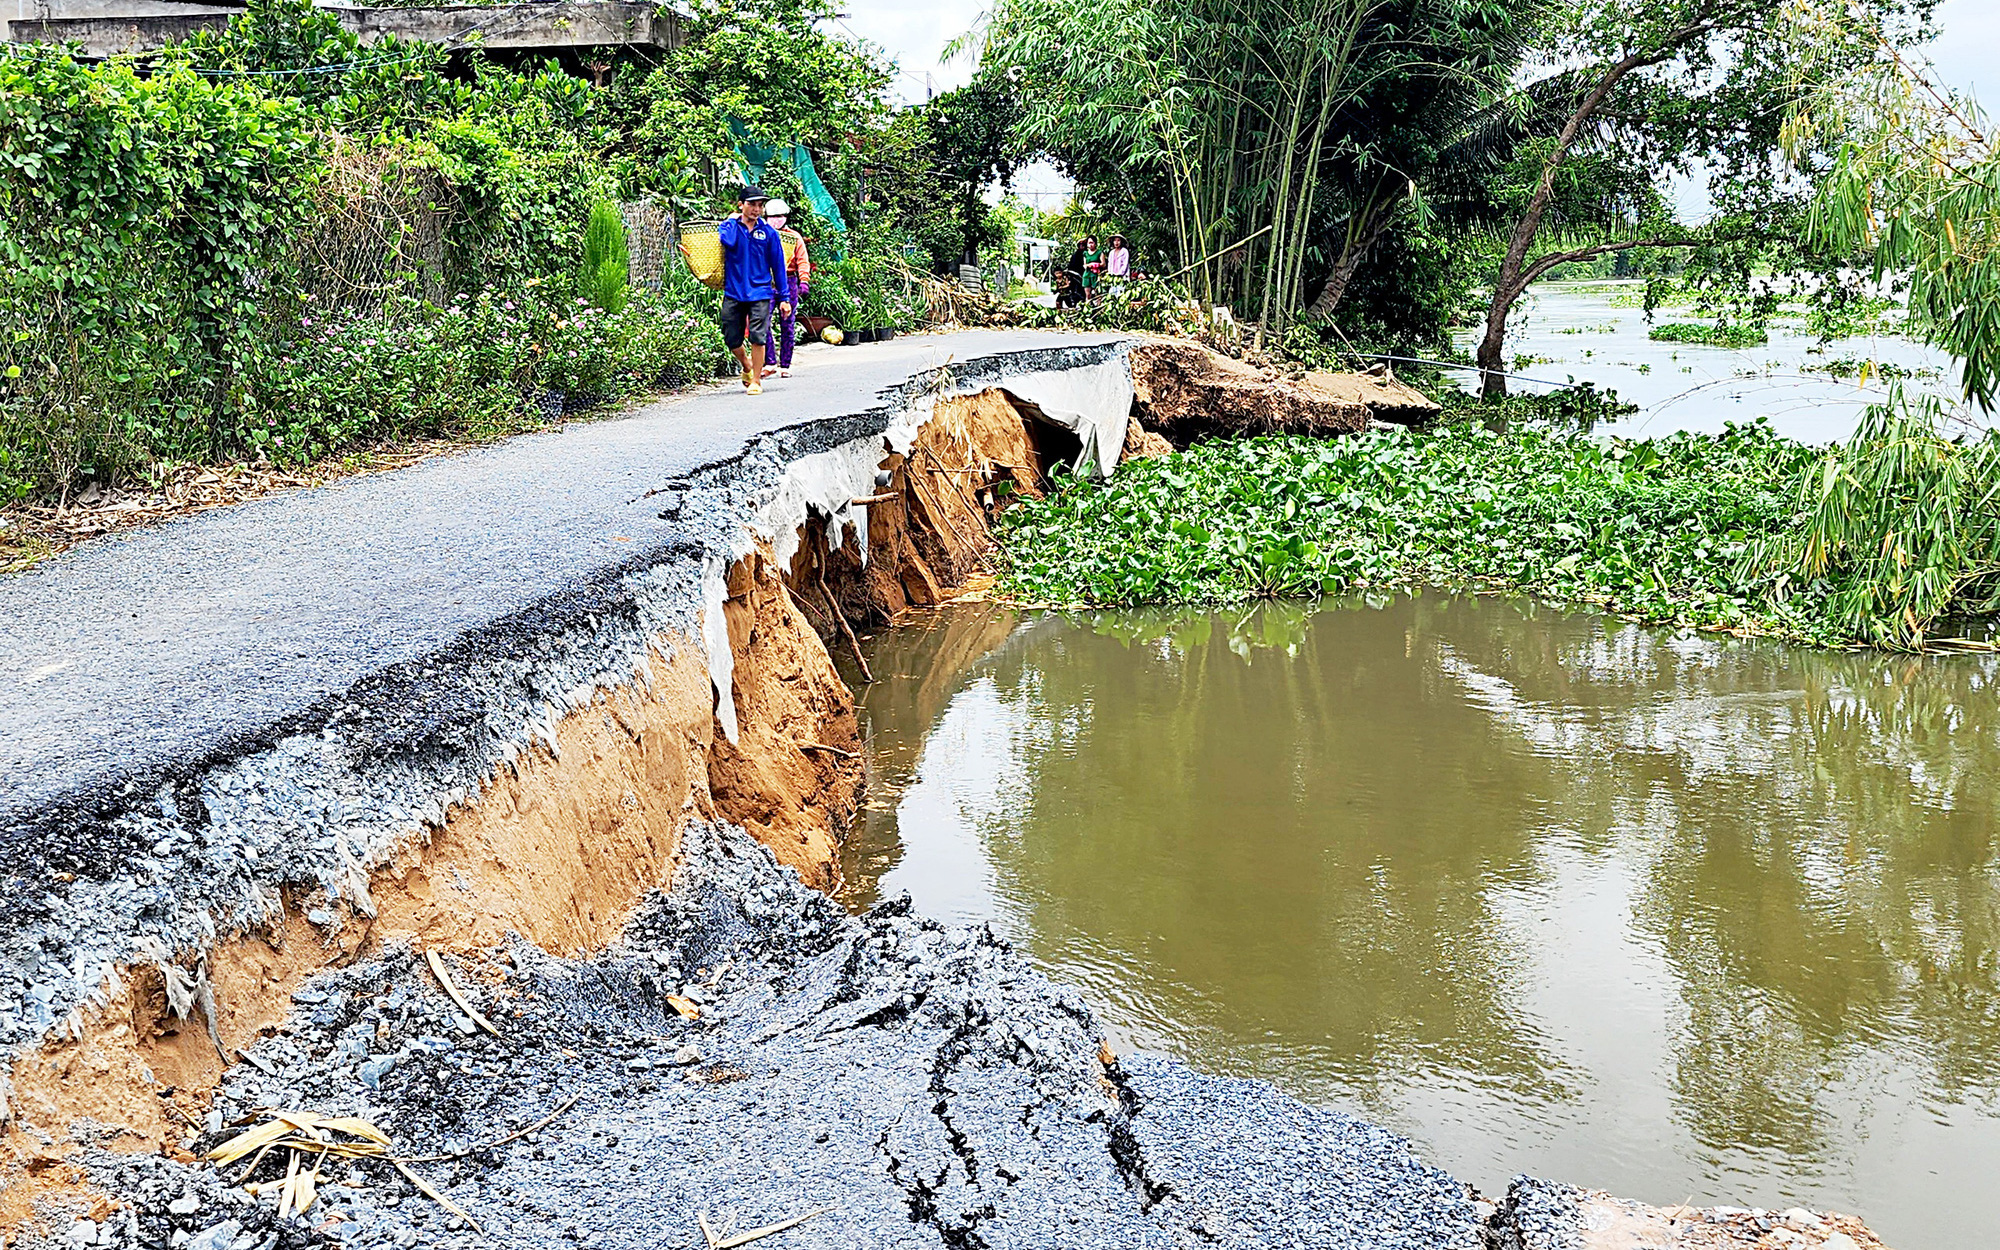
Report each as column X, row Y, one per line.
column 272, row 245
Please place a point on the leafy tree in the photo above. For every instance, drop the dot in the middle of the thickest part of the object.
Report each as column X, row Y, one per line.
column 1904, row 520
column 927, row 171
column 1208, row 116
column 1647, row 88
column 139, row 218
column 772, row 68
column 1417, row 131
column 1915, row 188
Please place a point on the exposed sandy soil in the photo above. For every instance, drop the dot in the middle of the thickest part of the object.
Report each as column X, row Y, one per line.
column 931, row 531
column 1385, row 397
column 1186, row 392
column 559, row 850
column 793, row 779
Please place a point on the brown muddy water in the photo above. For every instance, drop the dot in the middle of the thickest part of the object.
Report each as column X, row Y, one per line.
column 1675, row 917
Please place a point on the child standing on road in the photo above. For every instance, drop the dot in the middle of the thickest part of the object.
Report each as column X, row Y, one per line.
column 798, row 278
column 753, row 277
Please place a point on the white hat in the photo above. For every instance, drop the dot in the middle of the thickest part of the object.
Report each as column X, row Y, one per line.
column 777, row 208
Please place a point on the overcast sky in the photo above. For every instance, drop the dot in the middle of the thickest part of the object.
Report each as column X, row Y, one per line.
column 915, row 32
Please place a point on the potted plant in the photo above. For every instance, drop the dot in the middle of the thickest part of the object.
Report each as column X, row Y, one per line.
column 877, row 324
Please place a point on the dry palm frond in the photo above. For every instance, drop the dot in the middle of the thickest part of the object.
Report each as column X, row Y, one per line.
column 308, row 1140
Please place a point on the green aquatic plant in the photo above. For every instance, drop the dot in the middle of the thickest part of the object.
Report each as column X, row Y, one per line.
column 1857, row 367
column 1660, row 530
column 1728, row 334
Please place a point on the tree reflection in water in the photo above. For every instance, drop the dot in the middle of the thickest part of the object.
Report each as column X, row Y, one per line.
column 1673, row 915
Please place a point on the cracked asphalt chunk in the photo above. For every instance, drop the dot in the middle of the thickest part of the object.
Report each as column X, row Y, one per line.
column 923, row 1082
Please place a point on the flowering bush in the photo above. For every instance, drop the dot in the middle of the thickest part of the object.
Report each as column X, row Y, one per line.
column 652, row 342
column 476, row 366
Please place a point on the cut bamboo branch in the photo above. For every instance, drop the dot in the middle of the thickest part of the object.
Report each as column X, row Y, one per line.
column 437, row 1197
column 516, row 1135
column 755, row 1234
column 444, row 978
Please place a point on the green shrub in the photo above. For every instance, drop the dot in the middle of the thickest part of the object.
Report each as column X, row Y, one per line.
column 142, row 220
column 473, row 368
column 830, row 295
column 606, row 259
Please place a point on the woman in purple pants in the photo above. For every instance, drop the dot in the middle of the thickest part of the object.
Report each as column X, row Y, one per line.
column 798, row 273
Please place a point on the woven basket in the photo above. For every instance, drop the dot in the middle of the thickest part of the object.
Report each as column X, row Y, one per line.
column 702, row 247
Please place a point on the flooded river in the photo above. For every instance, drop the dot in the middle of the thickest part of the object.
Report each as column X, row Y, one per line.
column 1679, row 918
column 1595, row 332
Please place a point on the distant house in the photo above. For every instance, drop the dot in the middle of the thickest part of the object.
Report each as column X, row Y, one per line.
column 104, row 28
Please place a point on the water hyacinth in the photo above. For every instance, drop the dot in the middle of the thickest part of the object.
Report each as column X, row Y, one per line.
column 1661, row 530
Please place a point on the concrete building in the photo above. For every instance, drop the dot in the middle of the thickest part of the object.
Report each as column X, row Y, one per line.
column 104, row 28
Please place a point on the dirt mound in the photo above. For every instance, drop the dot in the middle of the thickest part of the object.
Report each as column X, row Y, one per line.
column 1385, row 397
column 1186, row 392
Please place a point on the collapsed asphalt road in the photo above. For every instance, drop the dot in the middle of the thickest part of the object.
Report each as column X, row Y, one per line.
column 194, row 716
column 261, row 764
column 131, row 660
column 916, row 1086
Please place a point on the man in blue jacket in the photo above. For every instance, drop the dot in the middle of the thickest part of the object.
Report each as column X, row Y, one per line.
column 753, row 278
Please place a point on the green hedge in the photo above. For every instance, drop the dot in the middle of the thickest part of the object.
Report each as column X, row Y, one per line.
column 197, row 267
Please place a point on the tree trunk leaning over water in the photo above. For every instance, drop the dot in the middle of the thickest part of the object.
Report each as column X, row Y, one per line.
column 1516, row 272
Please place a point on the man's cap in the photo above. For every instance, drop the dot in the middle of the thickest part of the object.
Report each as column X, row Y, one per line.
column 752, row 195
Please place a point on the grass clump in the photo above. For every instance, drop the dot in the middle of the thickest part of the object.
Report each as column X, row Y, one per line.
column 1660, row 530
column 1729, row 334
